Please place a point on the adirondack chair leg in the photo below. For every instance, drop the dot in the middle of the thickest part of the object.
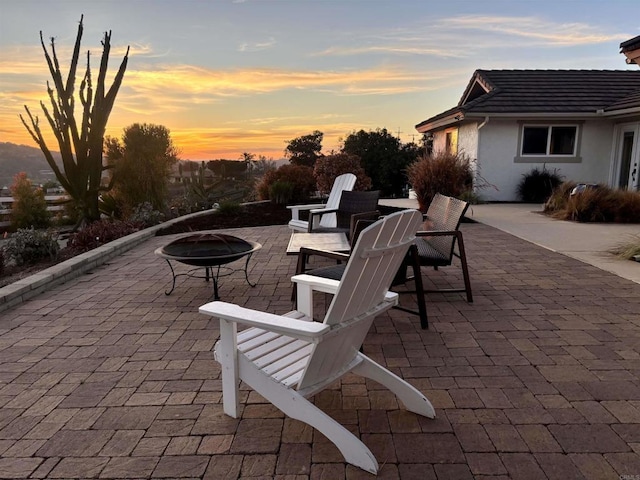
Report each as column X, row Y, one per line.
column 413, row 400
column 304, row 299
column 226, row 353
column 294, row 405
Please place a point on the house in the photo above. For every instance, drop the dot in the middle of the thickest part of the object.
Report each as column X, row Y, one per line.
column 583, row 123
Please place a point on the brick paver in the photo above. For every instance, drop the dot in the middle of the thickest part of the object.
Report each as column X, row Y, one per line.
column 107, row 377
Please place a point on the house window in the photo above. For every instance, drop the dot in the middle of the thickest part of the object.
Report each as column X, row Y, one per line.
column 549, row 140
column 451, row 142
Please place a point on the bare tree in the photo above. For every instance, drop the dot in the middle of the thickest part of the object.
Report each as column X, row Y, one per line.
column 81, row 143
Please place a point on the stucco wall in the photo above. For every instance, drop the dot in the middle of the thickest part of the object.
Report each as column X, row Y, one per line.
column 468, row 140
column 499, row 146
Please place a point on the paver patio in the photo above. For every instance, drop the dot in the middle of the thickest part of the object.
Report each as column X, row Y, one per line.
column 106, row 377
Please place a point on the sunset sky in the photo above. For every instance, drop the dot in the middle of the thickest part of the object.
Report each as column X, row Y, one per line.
column 227, row 77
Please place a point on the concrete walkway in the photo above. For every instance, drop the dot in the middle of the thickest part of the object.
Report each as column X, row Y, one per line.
column 587, row 242
column 105, row 376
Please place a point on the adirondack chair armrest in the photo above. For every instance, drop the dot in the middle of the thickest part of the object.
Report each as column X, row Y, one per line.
column 318, row 284
column 296, row 209
column 274, row 323
column 328, row 285
column 312, row 206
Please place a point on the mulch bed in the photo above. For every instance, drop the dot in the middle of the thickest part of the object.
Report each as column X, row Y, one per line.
column 252, row 215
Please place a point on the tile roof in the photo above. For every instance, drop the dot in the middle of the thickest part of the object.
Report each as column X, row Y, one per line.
column 546, row 91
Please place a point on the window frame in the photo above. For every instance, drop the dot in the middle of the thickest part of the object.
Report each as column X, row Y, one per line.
column 547, row 156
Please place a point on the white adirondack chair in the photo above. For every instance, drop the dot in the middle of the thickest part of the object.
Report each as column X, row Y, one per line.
column 343, row 182
column 288, row 358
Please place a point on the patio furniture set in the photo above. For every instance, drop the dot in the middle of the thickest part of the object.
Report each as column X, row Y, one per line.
column 289, row 358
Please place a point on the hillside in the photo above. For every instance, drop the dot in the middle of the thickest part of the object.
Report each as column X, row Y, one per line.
column 21, row 158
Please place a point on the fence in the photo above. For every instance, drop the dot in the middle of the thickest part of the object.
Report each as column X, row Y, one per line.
column 7, row 202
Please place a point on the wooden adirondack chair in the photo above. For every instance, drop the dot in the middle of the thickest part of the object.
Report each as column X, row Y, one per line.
column 343, row 182
column 288, row 358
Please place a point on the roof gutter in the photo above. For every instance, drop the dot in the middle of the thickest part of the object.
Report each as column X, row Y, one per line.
column 626, row 111
column 486, row 120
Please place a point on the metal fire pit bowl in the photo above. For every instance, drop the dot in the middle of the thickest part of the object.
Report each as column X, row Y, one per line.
column 208, row 251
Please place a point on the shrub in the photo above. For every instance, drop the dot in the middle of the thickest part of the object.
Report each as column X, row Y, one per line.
column 599, row 204
column 145, row 215
column 629, row 249
column 111, row 206
column 299, row 176
column 180, row 205
column 29, row 206
column 537, row 185
column 229, row 208
column 440, row 173
column 328, row 168
column 281, row 192
column 69, row 215
column 559, row 197
column 28, row 246
column 101, row 232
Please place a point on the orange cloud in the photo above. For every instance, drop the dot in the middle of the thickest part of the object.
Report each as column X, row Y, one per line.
column 192, row 100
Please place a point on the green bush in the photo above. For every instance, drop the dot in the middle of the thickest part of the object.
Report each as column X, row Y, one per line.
column 300, row 178
column 229, row 208
column 281, row 192
column 101, row 232
column 598, row 204
column 29, row 207
column 28, row 246
column 442, row 173
column 538, row 185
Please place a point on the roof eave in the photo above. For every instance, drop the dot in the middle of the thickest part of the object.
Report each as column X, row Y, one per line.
column 443, row 122
column 459, row 117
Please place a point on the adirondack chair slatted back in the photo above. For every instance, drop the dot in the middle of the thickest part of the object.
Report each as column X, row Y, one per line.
column 373, row 263
column 445, row 213
column 344, row 182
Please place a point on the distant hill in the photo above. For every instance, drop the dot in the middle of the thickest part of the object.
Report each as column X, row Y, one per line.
column 21, row 158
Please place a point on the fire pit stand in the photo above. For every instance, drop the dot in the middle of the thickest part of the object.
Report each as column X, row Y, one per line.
column 209, row 251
